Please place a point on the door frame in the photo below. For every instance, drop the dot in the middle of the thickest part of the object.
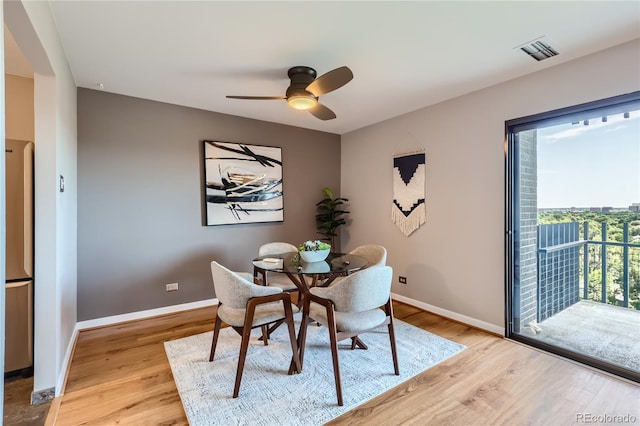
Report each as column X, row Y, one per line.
column 616, row 104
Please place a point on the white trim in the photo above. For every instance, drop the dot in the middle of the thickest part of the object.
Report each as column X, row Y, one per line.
column 115, row 319
column 64, row 369
column 450, row 314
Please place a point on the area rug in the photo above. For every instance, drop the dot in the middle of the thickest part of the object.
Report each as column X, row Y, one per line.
column 268, row 396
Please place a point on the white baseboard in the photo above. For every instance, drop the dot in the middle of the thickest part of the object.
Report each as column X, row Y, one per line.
column 115, row 319
column 450, row 314
column 64, row 369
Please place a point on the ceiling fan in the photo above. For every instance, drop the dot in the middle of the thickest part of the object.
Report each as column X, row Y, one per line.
column 305, row 89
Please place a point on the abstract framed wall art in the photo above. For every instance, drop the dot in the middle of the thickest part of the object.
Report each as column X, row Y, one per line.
column 243, row 183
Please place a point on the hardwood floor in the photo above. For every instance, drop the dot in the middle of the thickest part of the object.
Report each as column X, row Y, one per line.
column 120, row 375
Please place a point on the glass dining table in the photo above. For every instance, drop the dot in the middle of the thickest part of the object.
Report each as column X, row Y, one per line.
column 306, row 275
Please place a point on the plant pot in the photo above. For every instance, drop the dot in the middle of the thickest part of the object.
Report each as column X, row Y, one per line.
column 314, row 256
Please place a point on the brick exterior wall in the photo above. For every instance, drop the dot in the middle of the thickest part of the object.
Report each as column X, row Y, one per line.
column 558, row 271
column 528, row 215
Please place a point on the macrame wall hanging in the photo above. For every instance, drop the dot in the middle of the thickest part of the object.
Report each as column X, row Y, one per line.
column 408, row 211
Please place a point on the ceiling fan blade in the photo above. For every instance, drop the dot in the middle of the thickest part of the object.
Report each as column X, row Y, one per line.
column 330, row 81
column 264, row 98
column 322, row 112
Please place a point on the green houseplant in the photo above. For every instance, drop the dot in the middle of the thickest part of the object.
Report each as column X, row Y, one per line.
column 329, row 216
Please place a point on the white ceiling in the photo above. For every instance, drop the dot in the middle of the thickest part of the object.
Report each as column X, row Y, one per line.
column 404, row 55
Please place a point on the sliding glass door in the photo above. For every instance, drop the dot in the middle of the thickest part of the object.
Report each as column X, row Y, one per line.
column 573, row 233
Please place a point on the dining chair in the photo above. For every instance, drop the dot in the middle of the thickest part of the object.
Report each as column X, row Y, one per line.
column 375, row 254
column 348, row 308
column 277, row 279
column 244, row 306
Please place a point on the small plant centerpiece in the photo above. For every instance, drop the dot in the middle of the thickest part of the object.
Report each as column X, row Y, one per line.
column 329, row 216
column 313, row 251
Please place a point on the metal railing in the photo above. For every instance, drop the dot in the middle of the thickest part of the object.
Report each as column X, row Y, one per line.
column 605, row 247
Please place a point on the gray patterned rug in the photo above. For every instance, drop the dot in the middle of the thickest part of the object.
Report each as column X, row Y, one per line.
column 268, row 396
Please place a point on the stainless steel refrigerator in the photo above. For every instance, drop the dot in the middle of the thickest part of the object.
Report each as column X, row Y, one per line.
column 19, row 255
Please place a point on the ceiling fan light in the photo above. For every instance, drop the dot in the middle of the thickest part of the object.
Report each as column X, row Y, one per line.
column 301, row 102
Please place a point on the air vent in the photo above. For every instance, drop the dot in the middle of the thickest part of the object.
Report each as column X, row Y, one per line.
column 539, row 49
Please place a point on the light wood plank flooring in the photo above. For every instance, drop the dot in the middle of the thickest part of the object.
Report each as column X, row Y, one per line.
column 120, row 375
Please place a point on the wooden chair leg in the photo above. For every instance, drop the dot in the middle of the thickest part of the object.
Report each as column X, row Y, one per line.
column 244, row 345
column 392, row 337
column 265, row 334
column 334, row 353
column 279, row 323
column 214, row 341
column 356, row 342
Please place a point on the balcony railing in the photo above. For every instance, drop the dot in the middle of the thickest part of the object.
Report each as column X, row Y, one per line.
column 627, row 249
column 607, row 269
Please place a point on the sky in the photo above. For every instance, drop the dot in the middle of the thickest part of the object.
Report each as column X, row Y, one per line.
column 595, row 165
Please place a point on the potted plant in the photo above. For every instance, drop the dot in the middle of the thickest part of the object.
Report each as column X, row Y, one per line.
column 329, row 216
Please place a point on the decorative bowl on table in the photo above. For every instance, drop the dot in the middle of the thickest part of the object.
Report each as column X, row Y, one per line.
column 314, row 256
column 313, row 251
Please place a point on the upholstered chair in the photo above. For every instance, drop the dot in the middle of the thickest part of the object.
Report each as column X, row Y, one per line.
column 277, row 279
column 375, row 254
column 350, row 307
column 244, row 306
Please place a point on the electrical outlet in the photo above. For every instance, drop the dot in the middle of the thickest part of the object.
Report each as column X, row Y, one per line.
column 402, row 280
column 172, row 287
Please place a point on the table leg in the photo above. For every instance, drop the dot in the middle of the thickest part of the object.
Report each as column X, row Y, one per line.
column 302, row 339
column 301, row 282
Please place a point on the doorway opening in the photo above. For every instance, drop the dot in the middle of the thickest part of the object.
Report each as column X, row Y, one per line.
column 573, row 233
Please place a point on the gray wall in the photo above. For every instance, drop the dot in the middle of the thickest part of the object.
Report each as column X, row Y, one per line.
column 140, row 223
column 455, row 262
